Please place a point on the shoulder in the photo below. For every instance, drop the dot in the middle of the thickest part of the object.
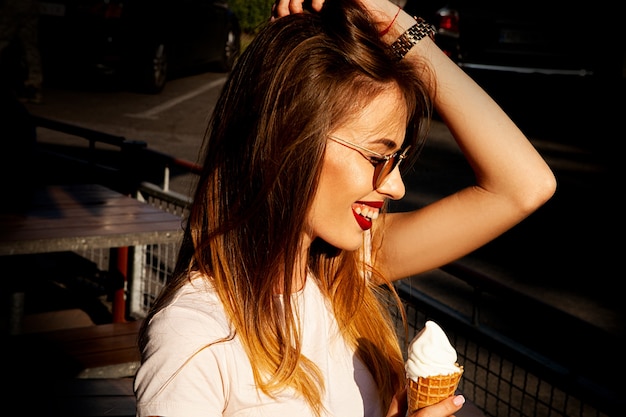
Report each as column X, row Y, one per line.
column 194, row 315
column 187, row 344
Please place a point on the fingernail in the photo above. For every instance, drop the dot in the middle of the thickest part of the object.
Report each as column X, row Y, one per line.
column 459, row 400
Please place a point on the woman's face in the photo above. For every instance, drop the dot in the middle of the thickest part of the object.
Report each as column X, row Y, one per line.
column 346, row 204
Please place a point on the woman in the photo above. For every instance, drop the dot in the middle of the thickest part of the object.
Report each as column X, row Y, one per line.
column 274, row 305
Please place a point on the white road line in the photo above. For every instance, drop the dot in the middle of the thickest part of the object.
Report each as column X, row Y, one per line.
column 153, row 112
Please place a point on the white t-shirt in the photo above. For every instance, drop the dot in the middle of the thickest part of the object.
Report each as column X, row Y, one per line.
column 218, row 380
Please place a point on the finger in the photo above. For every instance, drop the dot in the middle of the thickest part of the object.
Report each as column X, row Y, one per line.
column 317, row 5
column 282, row 8
column 295, row 6
column 445, row 408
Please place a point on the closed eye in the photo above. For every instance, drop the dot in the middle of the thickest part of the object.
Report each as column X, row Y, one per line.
column 374, row 160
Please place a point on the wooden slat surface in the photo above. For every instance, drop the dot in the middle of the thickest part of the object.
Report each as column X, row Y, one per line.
column 110, row 397
column 41, row 371
column 76, row 217
column 70, row 352
column 97, row 346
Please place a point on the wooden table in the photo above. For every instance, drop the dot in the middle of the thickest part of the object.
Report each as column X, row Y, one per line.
column 85, row 216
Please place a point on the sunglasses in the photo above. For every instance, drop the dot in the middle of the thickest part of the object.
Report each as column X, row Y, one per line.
column 383, row 164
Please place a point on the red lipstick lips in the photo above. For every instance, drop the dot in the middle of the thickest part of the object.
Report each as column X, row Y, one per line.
column 365, row 222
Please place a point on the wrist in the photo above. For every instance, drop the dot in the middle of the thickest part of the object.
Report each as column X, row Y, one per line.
column 403, row 22
column 411, row 37
column 394, row 20
column 385, row 11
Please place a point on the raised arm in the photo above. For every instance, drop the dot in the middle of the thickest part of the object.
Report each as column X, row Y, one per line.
column 512, row 179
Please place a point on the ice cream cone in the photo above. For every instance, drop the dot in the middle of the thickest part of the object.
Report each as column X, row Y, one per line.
column 430, row 390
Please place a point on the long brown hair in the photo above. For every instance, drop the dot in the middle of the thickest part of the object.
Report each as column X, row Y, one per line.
column 302, row 76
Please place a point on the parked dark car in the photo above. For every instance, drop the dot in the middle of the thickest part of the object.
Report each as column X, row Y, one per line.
column 142, row 42
column 550, row 37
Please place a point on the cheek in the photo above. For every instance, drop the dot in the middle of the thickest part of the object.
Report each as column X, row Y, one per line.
column 339, row 175
column 343, row 181
column 346, row 172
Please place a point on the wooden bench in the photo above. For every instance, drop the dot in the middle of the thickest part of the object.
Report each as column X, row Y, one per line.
column 83, row 371
column 98, row 351
column 105, row 397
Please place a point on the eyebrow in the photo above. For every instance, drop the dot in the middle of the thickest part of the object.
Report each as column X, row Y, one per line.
column 387, row 143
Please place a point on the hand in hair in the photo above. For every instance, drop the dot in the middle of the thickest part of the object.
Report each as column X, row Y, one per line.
column 282, row 8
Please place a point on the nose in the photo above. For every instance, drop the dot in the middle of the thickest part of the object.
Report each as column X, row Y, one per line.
column 393, row 186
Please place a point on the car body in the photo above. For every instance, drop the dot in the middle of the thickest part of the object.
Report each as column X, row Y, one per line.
column 143, row 42
column 546, row 37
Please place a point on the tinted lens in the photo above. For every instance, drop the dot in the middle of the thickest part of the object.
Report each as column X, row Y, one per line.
column 384, row 168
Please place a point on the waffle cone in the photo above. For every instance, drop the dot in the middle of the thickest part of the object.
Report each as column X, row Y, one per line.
column 430, row 390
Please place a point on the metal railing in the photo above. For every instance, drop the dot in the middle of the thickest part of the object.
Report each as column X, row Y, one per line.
column 503, row 377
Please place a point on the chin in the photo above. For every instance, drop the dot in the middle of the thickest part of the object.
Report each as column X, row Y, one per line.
column 350, row 246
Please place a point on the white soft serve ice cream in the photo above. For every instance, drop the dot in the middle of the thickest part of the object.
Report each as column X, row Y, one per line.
column 430, row 353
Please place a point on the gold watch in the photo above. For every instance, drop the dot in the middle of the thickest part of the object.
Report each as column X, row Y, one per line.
column 412, row 36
